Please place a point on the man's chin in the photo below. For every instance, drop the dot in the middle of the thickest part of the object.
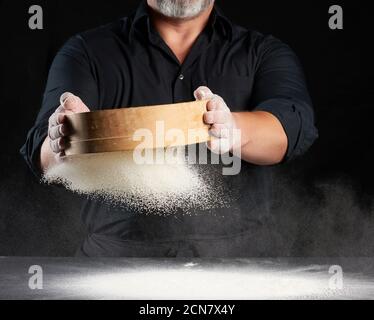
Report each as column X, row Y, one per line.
column 173, row 10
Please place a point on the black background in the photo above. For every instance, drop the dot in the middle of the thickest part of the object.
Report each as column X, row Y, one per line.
column 324, row 201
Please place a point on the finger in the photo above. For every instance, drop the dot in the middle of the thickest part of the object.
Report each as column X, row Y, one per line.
column 60, row 109
column 203, row 93
column 60, row 157
column 57, row 146
column 217, row 103
column 219, row 146
column 64, row 97
column 57, row 119
column 219, row 131
column 216, row 117
column 57, row 132
column 70, row 102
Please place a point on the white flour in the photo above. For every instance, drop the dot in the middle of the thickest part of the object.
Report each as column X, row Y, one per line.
column 151, row 188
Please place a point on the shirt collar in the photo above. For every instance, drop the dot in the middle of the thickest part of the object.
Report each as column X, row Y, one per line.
column 141, row 13
column 218, row 21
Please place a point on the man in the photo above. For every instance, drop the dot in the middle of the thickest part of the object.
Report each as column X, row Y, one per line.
column 173, row 51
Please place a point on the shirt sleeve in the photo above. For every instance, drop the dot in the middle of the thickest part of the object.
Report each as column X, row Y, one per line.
column 280, row 89
column 71, row 71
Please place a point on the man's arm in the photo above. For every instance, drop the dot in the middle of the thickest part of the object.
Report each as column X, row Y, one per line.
column 281, row 126
column 263, row 139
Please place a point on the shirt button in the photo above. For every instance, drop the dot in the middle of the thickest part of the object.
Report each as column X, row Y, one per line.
column 181, row 77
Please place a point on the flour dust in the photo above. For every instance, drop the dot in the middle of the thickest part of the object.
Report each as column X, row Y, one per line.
column 148, row 188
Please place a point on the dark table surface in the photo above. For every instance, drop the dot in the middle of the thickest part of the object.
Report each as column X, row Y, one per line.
column 182, row 279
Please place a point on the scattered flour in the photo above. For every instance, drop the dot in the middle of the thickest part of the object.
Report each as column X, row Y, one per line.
column 149, row 188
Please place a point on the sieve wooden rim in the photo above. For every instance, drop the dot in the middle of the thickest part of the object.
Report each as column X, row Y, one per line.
column 113, row 130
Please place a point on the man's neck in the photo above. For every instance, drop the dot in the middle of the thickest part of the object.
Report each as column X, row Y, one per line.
column 180, row 34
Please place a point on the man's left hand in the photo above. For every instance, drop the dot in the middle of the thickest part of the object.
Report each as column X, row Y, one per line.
column 221, row 120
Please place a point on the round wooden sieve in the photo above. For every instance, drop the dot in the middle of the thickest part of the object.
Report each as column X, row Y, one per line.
column 130, row 128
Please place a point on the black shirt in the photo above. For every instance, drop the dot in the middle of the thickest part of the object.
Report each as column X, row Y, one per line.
column 128, row 64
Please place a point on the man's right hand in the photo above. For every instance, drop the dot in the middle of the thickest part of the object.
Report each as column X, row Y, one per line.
column 55, row 144
column 58, row 131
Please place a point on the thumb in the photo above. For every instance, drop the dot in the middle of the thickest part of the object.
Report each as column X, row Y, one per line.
column 203, row 93
column 71, row 102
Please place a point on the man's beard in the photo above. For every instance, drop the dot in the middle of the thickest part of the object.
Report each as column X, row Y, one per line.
column 182, row 8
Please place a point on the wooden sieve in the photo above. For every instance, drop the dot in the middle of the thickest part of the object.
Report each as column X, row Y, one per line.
column 128, row 128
